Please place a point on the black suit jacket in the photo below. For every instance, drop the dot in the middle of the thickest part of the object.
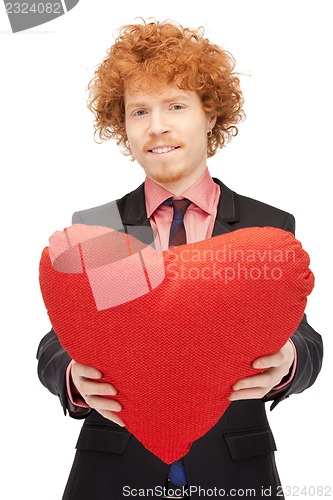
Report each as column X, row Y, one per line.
column 238, row 452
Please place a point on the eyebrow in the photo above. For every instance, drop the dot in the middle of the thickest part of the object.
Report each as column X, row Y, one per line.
column 179, row 97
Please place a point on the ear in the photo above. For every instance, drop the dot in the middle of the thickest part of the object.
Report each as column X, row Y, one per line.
column 211, row 122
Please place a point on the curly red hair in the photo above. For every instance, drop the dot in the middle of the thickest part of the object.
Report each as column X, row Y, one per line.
column 165, row 52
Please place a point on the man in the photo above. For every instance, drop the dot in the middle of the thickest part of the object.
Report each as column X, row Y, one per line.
column 170, row 99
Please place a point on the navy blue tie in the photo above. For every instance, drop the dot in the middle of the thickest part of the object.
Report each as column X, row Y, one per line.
column 177, row 474
column 177, row 228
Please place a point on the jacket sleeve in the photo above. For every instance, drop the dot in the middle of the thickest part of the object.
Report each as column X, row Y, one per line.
column 309, row 348
column 52, row 365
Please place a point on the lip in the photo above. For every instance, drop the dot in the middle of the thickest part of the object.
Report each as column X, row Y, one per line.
column 163, row 149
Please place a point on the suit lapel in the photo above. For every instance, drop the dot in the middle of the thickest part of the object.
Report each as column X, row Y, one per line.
column 227, row 210
column 132, row 209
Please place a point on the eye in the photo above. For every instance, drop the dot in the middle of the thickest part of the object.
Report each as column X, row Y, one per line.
column 139, row 112
column 177, row 107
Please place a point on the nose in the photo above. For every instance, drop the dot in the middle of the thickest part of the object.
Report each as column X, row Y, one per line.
column 158, row 123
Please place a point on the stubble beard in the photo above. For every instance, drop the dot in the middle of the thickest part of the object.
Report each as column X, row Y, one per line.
column 166, row 174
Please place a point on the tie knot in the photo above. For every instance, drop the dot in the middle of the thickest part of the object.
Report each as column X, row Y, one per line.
column 179, row 207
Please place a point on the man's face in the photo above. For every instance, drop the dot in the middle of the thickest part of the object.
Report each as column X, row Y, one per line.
column 167, row 132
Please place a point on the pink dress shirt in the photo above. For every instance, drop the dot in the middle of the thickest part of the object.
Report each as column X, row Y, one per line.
column 199, row 218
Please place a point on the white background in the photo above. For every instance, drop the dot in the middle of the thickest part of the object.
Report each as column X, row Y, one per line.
column 51, row 166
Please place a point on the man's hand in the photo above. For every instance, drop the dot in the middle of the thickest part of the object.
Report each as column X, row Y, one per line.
column 93, row 392
column 274, row 368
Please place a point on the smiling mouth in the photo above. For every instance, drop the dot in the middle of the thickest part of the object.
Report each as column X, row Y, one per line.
column 162, row 150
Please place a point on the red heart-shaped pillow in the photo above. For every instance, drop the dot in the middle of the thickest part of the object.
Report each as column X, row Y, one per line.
column 173, row 330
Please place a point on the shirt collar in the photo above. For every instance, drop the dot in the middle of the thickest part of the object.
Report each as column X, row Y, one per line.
column 201, row 193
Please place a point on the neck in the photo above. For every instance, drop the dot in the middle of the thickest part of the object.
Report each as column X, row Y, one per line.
column 179, row 187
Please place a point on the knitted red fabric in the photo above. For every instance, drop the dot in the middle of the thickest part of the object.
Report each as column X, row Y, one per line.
column 173, row 330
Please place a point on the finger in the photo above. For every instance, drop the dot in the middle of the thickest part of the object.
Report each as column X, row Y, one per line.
column 90, row 388
column 86, row 371
column 260, row 380
column 285, row 355
column 272, row 360
column 113, row 417
column 253, row 393
column 101, row 403
column 267, row 379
